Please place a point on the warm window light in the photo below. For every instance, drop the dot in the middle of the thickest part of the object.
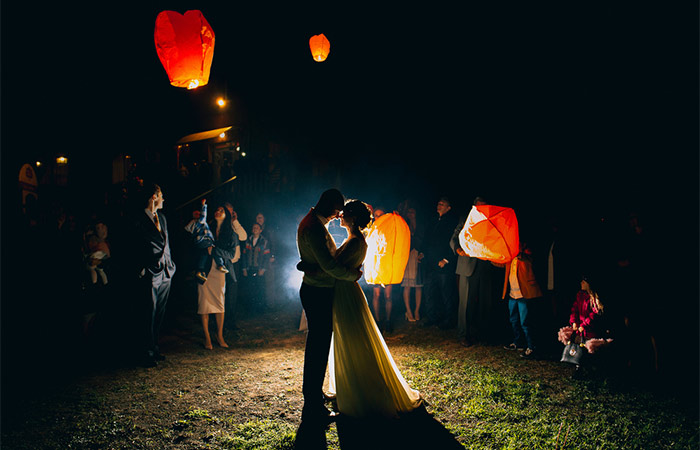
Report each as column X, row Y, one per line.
column 221, row 102
column 61, row 160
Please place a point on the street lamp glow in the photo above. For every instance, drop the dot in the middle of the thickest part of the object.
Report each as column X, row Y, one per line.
column 242, row 153
column 38, row 163
column 221, row 102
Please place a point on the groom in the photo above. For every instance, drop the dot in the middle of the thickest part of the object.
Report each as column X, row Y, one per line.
column 317, row 251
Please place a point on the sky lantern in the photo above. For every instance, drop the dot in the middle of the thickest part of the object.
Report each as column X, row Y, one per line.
column 185, row 47
column 491, row 233
column 320, row 47
column 388, row 247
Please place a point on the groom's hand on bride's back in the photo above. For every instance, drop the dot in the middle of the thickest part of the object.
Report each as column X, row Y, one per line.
column 306, row 267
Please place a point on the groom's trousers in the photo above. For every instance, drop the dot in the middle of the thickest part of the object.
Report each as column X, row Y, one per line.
column 318, row 306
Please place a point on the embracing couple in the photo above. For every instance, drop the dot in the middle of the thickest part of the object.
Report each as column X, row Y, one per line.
column 363, row 373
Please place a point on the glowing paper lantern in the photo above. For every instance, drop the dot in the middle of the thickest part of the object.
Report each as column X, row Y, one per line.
column 388, row 247
column 185, row 47
column 320, row 47
column 491, row 233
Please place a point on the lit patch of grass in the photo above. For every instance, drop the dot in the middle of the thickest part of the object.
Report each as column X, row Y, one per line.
column 259, row 435
column 198, row 414
column 486, row 408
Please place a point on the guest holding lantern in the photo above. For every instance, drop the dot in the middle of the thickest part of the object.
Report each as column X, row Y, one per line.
column 388, row 248
column 520, row 278
column 377, row 289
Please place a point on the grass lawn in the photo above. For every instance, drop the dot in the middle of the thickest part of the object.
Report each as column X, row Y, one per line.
column 249, row 397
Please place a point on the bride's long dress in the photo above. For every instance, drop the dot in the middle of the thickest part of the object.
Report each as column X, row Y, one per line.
column 363, row 375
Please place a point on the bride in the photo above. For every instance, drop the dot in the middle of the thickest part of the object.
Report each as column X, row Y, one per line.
column 363, row 375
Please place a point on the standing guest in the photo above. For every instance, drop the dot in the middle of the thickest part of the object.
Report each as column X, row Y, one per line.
column 520, row 277
column 473, row 291
column 234, row 275
column 440, row 263
column 413, row 277
column 211, row 295
column 270, row 273
column 155, row 268
column 255, row 262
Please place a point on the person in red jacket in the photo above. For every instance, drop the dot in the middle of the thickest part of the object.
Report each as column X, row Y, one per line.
column 520, row 278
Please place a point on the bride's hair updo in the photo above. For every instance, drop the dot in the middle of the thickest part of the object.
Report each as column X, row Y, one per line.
column 359, row 212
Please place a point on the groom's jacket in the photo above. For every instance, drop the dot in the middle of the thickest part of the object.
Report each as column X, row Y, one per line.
column 316, row 248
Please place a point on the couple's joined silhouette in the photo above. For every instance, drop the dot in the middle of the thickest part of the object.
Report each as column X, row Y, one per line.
column 363, row 375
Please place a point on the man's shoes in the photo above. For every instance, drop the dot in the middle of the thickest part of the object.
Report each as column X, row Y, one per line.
column 223, row 269
column 201, row 278
column 319, row 415
column 446, row 326
column 388, row 326
column 428, row 323
column 512, row 346
column 466, row 343
column 147, row 362
column 529, row 354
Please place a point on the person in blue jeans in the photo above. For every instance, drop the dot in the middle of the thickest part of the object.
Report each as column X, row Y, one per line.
column 203, row 241
column 521, row 286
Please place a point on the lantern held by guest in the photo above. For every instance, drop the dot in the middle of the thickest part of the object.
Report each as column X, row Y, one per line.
column 185, row 47
column 491, row 233
column 388, row 247
column 320, row 47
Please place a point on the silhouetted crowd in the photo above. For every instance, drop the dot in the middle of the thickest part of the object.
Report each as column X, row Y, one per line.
column 576, row 281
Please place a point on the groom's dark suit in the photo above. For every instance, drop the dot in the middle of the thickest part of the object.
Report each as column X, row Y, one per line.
column 317, row 249
column 155, row 268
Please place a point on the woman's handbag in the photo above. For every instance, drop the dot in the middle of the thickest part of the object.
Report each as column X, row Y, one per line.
column 575, row 350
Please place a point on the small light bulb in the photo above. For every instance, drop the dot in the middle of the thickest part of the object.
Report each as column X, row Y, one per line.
column 221, row 102
column 243, row 154
column 222, row 135
column 38, row 163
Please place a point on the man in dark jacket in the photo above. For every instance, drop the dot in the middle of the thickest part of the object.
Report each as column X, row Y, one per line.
column 440, row 262
column 155, row 270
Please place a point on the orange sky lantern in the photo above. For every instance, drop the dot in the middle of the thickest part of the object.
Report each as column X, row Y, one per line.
column 388, row 247
column 491, row 233
column 320, row 47
column 185, row 47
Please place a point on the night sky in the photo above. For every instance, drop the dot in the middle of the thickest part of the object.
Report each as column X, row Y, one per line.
column 524, row 102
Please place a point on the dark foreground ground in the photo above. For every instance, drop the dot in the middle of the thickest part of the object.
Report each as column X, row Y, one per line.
column 249, row 396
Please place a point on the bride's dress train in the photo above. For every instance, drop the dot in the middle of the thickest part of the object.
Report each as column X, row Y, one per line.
column 363, row 375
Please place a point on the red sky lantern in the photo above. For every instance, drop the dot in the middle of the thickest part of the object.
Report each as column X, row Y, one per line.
column 491, row 233
column 185, row 46
column 388, row 247
column 320, row 47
